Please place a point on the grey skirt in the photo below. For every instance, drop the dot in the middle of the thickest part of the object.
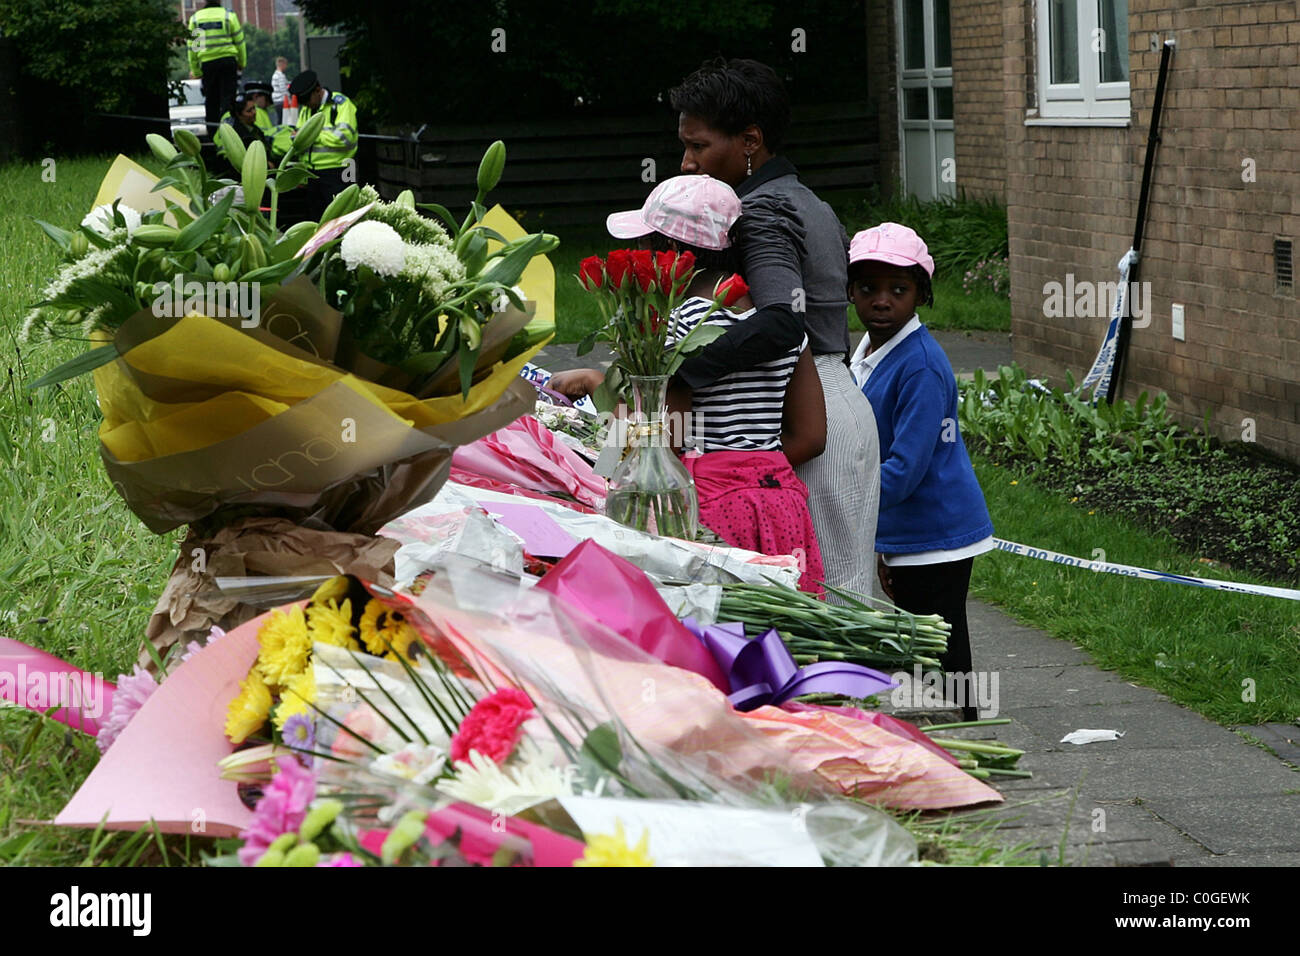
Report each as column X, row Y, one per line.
column 844, row 481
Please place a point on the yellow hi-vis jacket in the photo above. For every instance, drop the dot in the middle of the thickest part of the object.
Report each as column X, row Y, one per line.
column 215, row 33
column 337, row 142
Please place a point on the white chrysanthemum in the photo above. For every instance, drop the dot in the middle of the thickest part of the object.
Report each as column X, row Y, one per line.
column 435, row 267
column 374, row 244
column 100, row 219
column 510, row 790
column 418, row 763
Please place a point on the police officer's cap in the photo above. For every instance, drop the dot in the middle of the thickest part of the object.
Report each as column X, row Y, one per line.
column 304, row 83
column 257, row 86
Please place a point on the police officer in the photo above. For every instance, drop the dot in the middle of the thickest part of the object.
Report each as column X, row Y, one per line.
column 260, row 94
column 333, row 152
column 217, row 51
column 242, row 117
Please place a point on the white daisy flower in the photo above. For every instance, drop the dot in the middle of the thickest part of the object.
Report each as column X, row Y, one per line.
column 376, row 245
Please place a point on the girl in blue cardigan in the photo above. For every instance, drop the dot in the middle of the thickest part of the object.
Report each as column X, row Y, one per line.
column 933, row 520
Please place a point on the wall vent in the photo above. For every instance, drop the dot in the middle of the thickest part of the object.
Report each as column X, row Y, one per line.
column 1283, row 266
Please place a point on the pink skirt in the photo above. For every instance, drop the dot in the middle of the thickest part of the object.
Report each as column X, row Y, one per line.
column 754, row 500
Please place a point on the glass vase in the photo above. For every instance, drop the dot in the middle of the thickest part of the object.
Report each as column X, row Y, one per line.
column 650, row 490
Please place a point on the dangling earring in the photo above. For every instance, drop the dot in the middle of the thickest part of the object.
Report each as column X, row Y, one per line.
column 749, row 165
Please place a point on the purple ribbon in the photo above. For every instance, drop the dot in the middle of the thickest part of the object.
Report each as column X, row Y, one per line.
column 557, row 398
column 762, row 671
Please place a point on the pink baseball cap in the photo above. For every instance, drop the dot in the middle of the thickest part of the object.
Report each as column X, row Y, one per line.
column 893, row 243
column 697, row 210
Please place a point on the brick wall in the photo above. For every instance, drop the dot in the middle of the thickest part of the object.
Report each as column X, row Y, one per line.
column 977, row 94
column 1233, row 95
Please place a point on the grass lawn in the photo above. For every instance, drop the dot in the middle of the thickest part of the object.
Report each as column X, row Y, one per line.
column 78, row 572
column 1204, row 649
column 576, row 315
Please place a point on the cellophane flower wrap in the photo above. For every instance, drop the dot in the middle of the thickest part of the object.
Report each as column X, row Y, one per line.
column 471, row 752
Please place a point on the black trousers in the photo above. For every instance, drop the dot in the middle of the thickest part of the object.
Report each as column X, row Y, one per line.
column 220, row 83
column 941, row 589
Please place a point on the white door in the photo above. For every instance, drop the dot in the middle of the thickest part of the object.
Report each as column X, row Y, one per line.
column 925, row 99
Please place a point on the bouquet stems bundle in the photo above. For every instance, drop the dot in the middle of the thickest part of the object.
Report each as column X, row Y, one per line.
column 856, row 632
column 980, row 758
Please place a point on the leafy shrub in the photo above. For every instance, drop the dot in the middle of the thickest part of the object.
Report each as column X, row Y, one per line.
column 993, row 274
column 961, row 233
column 1130, row 458
column 1025, row 418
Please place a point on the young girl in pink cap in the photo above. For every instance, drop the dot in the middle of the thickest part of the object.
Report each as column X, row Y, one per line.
column 933, row 520
column 751, row 426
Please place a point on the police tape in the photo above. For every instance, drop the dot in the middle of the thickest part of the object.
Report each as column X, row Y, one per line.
column 1146, row 574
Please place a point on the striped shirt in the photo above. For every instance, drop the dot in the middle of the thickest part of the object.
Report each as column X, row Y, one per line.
column 741, row 411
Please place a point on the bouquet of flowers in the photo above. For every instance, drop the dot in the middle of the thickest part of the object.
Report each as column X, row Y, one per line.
column 637, row 290
column 247, row 374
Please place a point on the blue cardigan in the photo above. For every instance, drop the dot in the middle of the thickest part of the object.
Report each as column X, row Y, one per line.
column 929, row 497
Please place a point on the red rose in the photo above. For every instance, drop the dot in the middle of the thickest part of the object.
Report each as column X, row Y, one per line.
column 731, row 290
column 643, row 267
column 591, row 273
column 682, row 269
column 617, row 267
column 664, row 268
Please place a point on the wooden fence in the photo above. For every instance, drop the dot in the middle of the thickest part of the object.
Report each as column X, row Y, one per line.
column 577, row 171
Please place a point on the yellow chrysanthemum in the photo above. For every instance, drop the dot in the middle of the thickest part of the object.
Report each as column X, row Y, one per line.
column 335, row 589
column 606, row 850
column 297, row 698
column 248, row 711
column 386, row 633
column 284, row 646
column 328, row 623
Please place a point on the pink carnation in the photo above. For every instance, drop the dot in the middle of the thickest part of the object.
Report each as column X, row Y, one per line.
column 492, row 726
column 132, row 691
column 339, row 859
column 281, row 810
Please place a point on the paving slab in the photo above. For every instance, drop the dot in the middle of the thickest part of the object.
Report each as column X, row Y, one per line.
column 1282, row 739
column 1251, row 824
column 1177, row 788
column 1153, row 725
column 1116, row 774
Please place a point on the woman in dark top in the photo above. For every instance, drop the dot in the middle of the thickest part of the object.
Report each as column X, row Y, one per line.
column 733, row 118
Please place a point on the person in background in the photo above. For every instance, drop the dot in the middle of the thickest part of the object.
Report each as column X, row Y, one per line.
column 732, row 121
column 260, row 94
column 333, row 153
column 933, row 519
column 217, row 53
column 279, row 88
column 242, row 116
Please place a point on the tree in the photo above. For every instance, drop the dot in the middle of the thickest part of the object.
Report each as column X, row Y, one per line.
column 78, row 57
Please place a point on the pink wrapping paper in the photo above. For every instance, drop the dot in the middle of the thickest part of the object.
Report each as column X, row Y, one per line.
column 615, row 592
column 557, row 652
column 37, row 680
column 163, row 766
column 525, row 453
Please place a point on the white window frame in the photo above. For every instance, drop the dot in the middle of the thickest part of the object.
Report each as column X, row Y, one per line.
column 929, row 77
column 1088, row 100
